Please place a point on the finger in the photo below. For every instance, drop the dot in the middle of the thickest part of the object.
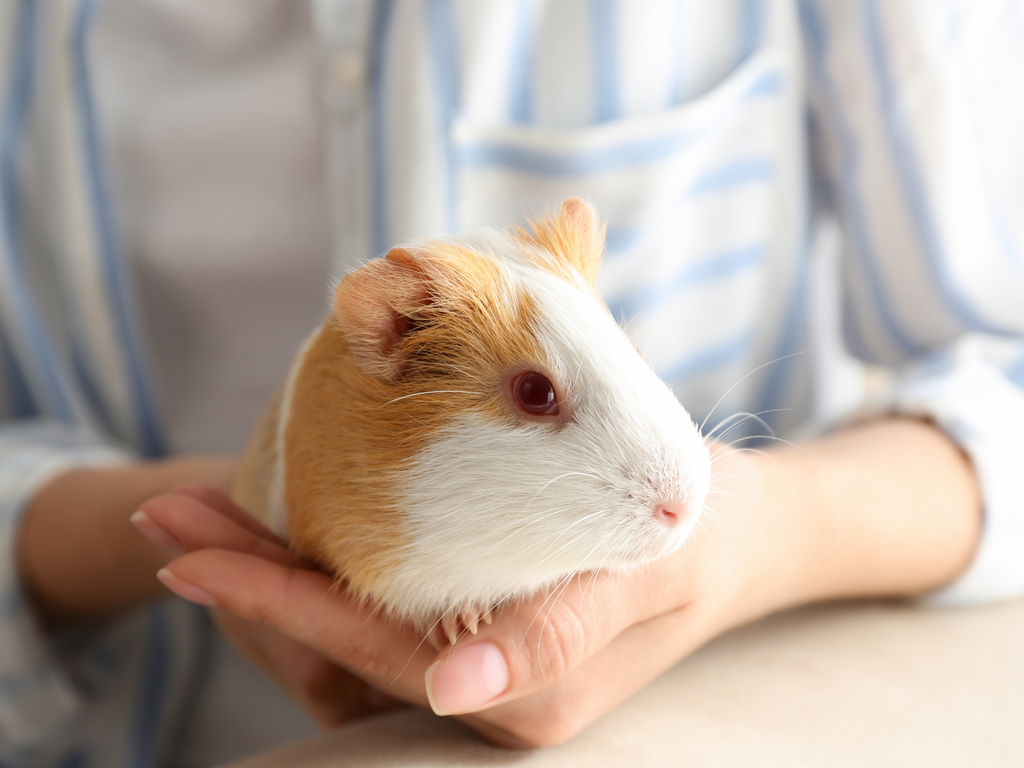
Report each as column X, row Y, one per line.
column 558, row 712
column 331, row 695
column 189, row 524
column 220, row 502
column 543, row 639
column 308, row 606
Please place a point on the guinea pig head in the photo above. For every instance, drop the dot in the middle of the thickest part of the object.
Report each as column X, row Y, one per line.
column 513, row 433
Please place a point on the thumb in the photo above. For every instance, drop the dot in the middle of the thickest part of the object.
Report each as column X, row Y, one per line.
column 534, row 643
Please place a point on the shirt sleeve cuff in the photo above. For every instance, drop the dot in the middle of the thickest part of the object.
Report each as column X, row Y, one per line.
column 37, row 701
column 983, row 412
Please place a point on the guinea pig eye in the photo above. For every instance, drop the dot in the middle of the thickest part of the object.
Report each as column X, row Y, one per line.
column 535, row 394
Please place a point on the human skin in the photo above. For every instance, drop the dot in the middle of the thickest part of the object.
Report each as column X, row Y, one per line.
column 79, row 556
column 885, row 508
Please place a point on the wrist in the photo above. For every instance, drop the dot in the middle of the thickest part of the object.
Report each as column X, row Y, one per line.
column 889, row 508
column 765, row 547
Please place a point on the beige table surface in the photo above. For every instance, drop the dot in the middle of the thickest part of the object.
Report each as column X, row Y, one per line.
column 861, row 685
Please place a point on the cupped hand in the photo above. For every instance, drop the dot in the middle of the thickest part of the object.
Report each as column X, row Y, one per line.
column 192, row 517
column 544, row 670
column 886, row 508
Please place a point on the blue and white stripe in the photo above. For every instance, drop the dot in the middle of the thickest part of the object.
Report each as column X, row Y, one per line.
column 78, row 347
column 128, row 393
column 904, row 114
column 32, row 348
column 73, row 367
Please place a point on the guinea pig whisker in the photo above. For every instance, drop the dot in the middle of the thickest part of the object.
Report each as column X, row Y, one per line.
column 769, row 437
column 732, row 496
column 711, row 513
column 553, row 596
column 565, row 545
column 556, row 595
column 740, row 421
column 744, row 378
column 583, row 519
column 707, row 535
column 753, row 450
column 554, row 585
column 754, row 477
column 600, row 546
column 717, row 478
column 416, row 650
column 508, row 541
column 562, row 476
column 594, row 573
column 522, row 529
column 537, row 518
column 432, row 392
column 540, row 564
column 729, row 451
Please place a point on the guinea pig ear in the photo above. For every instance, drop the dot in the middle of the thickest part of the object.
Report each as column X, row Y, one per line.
column 575, row 236
column 373, row 305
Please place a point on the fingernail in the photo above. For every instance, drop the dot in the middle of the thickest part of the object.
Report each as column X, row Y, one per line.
column 183, row 589
column 155, row 532
column 466, row 680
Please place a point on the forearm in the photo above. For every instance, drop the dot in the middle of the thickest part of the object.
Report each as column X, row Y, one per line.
column 79, row 557
column 886, row 508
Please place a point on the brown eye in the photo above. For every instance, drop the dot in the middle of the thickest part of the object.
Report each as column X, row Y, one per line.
column 535, row 394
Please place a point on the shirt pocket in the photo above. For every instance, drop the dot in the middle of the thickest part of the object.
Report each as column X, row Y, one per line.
column 702, row 202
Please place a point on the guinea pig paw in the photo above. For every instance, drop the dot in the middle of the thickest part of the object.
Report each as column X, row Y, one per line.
column 455, row 623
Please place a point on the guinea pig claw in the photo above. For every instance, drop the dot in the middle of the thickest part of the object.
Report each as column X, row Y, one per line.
column 454, row 623
column 488, row 618
column 450, row 626
column 470, row 620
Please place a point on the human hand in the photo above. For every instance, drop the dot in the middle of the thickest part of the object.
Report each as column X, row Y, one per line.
column 886, row 508
column 78, row 556
column 543, row 671
column 330, row 694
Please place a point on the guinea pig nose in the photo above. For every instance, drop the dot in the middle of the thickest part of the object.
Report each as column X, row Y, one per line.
column 670, row 514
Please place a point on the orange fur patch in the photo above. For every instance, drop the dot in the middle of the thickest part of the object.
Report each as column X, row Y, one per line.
column 573, row 237
column 350, row 433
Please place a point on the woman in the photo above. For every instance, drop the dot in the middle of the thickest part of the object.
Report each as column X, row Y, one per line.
column 182, row 141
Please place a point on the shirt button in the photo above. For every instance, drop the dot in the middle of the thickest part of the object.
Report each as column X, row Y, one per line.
column 348, row 68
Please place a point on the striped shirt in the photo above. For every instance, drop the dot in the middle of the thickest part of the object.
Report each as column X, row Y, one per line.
column 783, row 181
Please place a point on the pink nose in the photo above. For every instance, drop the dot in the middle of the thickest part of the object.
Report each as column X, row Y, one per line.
column 670, row 514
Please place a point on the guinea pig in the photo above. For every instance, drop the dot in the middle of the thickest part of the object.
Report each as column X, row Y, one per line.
column 470, row 425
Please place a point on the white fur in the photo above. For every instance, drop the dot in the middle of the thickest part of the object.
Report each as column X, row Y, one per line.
column 497, row 511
